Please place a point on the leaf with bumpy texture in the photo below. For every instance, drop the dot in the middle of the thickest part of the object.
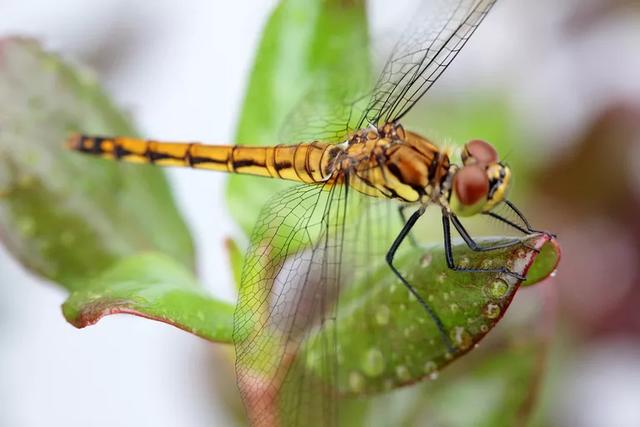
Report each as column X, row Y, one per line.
column 63, row 215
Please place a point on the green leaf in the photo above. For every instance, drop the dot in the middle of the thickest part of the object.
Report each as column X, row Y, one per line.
column 63, row 215
column 498, row 385
column 387, row 343
column 304, row 45
column 469, row 305
column 152, row 286
column 499, row 382
column 545, row 265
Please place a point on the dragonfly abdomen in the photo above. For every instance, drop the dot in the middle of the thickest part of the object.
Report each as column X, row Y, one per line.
column 306, row 162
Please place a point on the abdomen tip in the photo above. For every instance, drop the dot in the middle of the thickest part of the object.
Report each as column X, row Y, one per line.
column 74, row 141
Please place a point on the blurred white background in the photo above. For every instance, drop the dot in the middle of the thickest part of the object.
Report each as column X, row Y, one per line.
column 180, row 68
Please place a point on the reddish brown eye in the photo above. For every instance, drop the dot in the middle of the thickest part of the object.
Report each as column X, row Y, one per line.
column 481, row 151
column 471, row 184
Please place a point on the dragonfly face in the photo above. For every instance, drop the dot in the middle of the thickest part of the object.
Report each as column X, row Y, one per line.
column 481, row 183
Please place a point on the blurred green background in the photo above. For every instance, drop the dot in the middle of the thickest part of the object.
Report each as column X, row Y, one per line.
column 554, row 87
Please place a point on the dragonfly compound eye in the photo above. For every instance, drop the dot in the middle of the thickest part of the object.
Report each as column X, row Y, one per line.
column 470, row 190
column 479, row 152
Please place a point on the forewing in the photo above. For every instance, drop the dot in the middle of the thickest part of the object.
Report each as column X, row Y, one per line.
column 430, row 43
column 327, row 114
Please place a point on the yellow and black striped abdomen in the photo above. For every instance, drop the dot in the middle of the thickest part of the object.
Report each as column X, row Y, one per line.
column 306, row 162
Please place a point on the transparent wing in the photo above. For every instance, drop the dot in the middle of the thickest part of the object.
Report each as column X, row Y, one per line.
column 330, row 110
column 277, row 302
column 326, row 114
column 430, row 43
column 427, row 47
column 311, row 245
column 314, row 326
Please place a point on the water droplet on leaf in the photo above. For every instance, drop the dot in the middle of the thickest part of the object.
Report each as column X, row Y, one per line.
column 410, row 331
column 27, row 226
column 499, row 288
column 373, row 364
column 487, row 264
column 403, row 373
column 430, row 367
column 492, row 311
column 382, row 315
column 356, row 382
column 461, row 337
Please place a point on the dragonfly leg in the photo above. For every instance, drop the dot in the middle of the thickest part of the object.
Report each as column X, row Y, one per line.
column 391, row 254
column 517, row 227
column 508, row 222
column 527, row 229
column 403, row 216
column 473, row 245
column 526, row 222
column 446, row 227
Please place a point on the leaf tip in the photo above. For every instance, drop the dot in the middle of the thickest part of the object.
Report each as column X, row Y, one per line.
column 91, row 313
column 544, row 260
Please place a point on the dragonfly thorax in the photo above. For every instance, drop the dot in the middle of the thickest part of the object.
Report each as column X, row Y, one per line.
column 393, row 163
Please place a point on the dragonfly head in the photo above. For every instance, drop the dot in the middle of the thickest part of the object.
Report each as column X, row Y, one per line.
column 481, row 182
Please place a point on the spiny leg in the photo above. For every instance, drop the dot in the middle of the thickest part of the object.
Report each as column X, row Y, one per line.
column 519, row 228
column 390, row 255
column 527, row 229
column 473, row 245
column 521, row 216
column 508, row 222
column 446, row 227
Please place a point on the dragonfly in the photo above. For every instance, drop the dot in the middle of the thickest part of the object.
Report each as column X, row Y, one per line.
column 319, row 244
